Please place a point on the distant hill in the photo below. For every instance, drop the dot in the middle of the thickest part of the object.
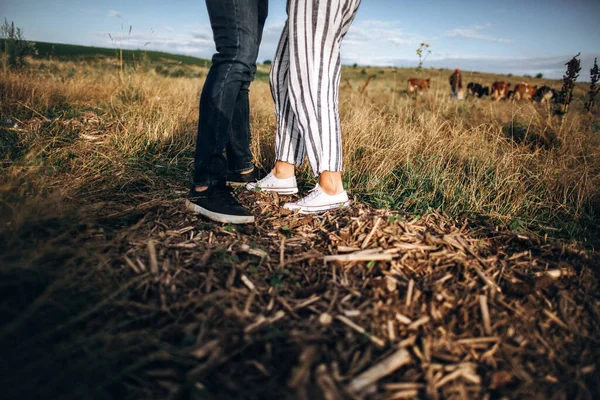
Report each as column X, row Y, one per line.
column 69, row 51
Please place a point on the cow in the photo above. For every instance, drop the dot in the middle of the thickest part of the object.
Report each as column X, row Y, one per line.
column 499, row 90
column 476, row 89
column 545, row 94
column 418, row 85
column 524, row 91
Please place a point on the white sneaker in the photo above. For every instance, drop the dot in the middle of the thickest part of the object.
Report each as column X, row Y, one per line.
column 271, row 183
column 318, row 201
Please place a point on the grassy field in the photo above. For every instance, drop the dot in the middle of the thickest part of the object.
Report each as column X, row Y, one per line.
column 96, row 159
column 71, row 52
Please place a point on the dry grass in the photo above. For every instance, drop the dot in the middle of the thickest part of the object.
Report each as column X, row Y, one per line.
column 95, row 163
column 505, row 161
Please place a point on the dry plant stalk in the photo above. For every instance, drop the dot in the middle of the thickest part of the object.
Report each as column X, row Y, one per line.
column 594, row 88
column 573, row 68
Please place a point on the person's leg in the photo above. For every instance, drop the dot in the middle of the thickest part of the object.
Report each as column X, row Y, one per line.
column 235, row 30
column 232, row 69
column 316, row 32
column 289, row 145
column 239, row 156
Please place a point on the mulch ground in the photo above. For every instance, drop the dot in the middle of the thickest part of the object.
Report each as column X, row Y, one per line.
column 359, row 303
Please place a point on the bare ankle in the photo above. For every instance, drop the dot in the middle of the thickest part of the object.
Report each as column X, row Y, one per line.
column 283, row 170
column 331, row 182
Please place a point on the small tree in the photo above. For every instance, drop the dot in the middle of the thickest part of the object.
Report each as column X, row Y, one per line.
column 566, row 93
column 15, row 45
column 539, row 75
column 594, row 78
column 267, row 62
column 423, row 53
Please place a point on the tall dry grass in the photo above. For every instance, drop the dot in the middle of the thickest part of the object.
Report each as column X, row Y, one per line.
column 84, row 129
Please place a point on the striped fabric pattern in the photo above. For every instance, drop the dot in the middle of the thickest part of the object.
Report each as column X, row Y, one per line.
column 305, row 78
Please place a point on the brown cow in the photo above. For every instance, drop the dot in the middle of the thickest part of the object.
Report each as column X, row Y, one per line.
column 418, row 85
column 499, row 90
column 524, row 91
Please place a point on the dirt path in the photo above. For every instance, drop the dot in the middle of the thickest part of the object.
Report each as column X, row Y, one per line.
column 361, row 303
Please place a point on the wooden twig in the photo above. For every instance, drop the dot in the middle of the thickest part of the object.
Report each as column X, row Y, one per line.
column 307, row 303
column 360, row 256
column 419, row 322
column 379, row 342
column 485, row 314
column 153, row 258
column 327, row 384
column 248, row 282
column 370, row 235
column 409, row 293
column 385, row 367
column 556, row 319
column 403, row 319
column 282, row 253
column 255, row 252
column 131, row 265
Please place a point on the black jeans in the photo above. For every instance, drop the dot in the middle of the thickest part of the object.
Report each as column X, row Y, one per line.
column 224, row 122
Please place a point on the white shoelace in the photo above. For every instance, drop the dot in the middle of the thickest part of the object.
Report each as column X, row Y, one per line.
column 266, row 179
column 316, row 192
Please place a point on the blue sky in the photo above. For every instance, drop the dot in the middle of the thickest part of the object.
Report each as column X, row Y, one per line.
column 519, row 37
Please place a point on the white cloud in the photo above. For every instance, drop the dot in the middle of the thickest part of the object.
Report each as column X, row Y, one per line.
column 381, row 32
column 194, row 43
column 474, row 32
column 375, row 43
column 552, row 67
column 114, row 14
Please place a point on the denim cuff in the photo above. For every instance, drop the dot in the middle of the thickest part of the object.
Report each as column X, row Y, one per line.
column 208, row 180
column 245, row 167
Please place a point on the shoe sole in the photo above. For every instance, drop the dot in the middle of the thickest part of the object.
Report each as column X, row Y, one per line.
column 279, row 191
column 218, row 217
column 315, row 210
column 237, row 183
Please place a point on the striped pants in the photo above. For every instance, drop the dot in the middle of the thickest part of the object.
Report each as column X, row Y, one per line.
column 305, row 79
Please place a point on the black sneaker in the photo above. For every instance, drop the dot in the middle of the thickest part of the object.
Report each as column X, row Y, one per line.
column 235, row 178
column 217, row 203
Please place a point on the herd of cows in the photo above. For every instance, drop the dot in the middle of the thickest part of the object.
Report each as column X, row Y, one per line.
column 498, row 91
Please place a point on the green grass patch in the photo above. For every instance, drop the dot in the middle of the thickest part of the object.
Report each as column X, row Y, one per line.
column 70, row 52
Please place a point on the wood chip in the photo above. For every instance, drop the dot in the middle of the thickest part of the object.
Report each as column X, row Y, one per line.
column 153, row 258
column 385, row 367
column 419, row 322
column 409, row 293
column 403, row 319
column 485, row 314
column 131, row 265
column 379, row 342
column 360, row 256
column 370, row 235
column 248, row 282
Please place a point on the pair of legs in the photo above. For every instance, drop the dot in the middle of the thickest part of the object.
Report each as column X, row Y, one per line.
column 305, row 78
column 224, row 121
